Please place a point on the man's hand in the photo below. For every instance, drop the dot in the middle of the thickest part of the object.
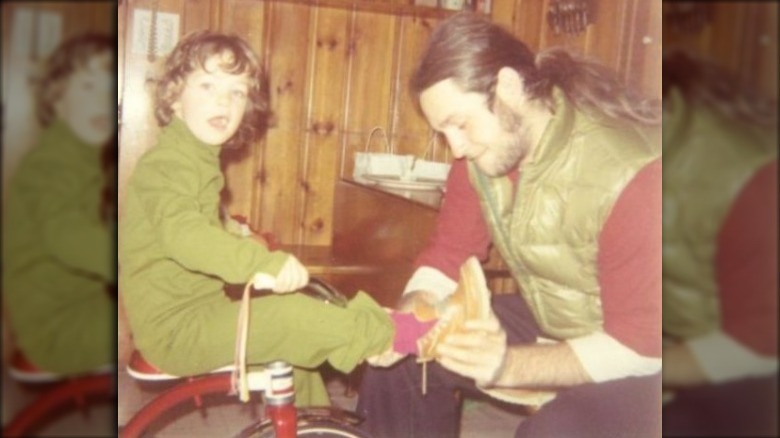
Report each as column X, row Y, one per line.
column 478, row 352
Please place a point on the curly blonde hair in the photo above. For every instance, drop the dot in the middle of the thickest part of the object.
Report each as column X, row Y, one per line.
column 72, row 54
column 191, row 54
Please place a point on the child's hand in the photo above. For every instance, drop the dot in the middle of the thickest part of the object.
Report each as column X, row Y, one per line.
column 292, row 277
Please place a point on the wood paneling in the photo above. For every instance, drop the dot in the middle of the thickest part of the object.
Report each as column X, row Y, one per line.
column 617, row 17
column 327, row 87
column 640, row 56
column 408, row 130
column 762, row 40
column 617, row 36
column 370, row 60
column 278, row 172
column 740, row 37
column 140, row 128
column 336, row 70
column 242, row 18
column 528, row 19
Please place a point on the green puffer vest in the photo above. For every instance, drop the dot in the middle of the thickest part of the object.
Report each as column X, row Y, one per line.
column 707, row 161
column 548, row 234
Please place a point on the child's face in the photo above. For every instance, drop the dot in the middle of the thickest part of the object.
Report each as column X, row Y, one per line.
column 86, row 104
column 212, row 102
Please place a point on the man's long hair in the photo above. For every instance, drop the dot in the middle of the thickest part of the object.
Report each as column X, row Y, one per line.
column 704, row 83
column 471, row 50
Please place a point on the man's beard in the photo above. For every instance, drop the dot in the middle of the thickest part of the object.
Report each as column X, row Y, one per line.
column 509, row 155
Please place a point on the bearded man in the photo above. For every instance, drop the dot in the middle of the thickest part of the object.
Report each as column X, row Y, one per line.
column 558, row 165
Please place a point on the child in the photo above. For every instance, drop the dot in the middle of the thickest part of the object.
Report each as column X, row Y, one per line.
column 57, row 249
column 175, row 255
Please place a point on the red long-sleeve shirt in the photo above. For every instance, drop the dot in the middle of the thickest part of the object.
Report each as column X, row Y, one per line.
column 746, row 265
column 629, row 259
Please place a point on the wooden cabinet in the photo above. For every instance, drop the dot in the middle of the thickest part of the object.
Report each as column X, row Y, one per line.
column 387, row 229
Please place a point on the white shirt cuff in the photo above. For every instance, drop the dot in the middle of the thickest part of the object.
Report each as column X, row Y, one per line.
column 431, row 280
column 604, row 358
column 722, row 358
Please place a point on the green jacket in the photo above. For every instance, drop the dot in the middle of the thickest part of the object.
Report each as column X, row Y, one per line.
column 548, row 231
column 708, row 160
column 174, row 253
column 58, row 256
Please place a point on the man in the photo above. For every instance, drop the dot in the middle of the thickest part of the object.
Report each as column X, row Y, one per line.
column 557, row 166
column 720, row 254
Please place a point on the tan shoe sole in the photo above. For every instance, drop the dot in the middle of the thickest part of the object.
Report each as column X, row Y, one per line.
column 471, row 300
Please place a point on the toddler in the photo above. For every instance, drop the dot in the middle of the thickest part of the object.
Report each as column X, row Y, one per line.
column 58, row 251
column 176, row 256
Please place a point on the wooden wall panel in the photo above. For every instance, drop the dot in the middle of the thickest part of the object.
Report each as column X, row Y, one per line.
column 334, row 73
column 369, row 82
column 408, row 130
column 120, row 61
column 140, row 128
column 615, row 38
column 322, row 147
column 719, row 40
column 77, row 17
column 725, row 38
column 277, row 173
column 611, row 23
column 528, row 20
column 762, row 43
column 247, row 19
column 195, row 15
column 504, row 12
column 640, row 55
column 741, row 38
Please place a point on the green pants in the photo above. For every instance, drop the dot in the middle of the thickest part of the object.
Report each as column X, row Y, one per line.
column 64, row 332
column 295, row 328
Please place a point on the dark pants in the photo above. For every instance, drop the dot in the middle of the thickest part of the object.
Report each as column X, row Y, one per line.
column 394, row 407
column 742, row 408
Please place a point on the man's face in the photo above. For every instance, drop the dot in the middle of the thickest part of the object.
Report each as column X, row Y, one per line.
column 212, row 102
column 86, row 104
column 491, row 139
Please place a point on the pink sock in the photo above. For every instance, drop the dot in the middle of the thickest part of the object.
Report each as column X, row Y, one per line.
column 408, row 329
